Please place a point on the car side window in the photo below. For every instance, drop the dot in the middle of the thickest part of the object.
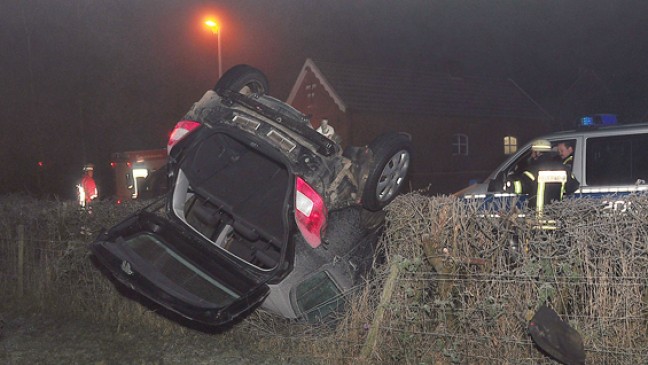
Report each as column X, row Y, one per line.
column 520, row 164
column 515, row 167
column 616, row 160
column 318, row 296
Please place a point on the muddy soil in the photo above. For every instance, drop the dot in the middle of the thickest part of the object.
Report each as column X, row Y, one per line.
column 40, row 339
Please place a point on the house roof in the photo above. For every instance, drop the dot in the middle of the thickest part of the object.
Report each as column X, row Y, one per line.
column 420, row 92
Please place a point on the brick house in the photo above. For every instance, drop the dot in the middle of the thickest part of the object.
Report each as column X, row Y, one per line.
column 462, row 127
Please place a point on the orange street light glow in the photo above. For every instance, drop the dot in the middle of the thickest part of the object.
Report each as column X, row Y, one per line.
column 212, row 25
column 215, row 28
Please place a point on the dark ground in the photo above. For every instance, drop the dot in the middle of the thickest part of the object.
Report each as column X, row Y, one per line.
column 40, row 339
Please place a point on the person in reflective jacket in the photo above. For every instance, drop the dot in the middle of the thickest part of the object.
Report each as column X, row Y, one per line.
column 87, row 190
column 545, row 179
column 566, row 152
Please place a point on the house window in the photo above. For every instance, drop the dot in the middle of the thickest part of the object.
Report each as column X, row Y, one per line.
column 460, row 145
column 510, row 145
column 310, row 92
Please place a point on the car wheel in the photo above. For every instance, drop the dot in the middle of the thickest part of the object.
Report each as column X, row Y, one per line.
column 386, row 178
column 243, row 79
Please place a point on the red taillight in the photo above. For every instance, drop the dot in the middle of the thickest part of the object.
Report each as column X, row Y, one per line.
column 113, row 164
column 180, row 130
column 310, row 213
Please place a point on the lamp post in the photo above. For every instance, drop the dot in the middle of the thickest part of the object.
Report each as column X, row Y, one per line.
column 215, row 28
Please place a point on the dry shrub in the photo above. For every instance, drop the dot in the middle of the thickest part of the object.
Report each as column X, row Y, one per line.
column 469, row 279
column 58, row 275
column 457, row 284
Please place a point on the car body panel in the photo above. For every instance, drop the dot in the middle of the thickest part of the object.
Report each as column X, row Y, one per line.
column 347, row 255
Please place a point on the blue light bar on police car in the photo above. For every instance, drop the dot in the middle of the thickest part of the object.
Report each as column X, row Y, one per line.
column 587, row 121
column 598, row 119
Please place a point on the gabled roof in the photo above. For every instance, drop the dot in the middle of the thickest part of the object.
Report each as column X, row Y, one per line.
column 420, row 92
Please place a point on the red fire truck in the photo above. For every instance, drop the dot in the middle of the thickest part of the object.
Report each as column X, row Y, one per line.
column 139, row 174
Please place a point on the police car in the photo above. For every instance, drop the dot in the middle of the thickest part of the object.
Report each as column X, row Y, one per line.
column 609, row 159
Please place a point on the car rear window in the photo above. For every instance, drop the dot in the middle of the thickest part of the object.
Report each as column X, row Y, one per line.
column 180, row 271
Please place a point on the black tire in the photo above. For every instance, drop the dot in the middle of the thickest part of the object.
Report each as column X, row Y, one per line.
column 243, row 79
column 386, row 178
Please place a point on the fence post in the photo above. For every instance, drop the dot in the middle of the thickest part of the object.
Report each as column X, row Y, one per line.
column 21, row 259
column 385, row 299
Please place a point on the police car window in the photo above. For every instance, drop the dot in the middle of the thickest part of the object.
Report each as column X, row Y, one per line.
column 617, row 160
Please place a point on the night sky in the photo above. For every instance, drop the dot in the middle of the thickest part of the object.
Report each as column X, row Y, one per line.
column 81, row 79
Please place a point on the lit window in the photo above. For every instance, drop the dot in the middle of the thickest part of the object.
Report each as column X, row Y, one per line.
column 310, row 91
column 460, row 145
column 510, row 145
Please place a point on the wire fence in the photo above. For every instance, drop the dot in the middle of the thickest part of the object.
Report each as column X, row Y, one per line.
column 458, row 283
column 468, row 280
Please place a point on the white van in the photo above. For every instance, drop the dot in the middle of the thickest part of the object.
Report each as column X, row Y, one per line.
column 608, row 159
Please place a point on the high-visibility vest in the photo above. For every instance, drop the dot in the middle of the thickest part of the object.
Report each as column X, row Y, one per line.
column 569, row 160
column 544, row 177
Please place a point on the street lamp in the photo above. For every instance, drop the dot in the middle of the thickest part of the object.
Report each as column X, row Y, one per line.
column 215, row 28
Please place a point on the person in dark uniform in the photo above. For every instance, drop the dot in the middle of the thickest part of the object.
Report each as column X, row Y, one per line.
column 545, row 179
column 566, row 152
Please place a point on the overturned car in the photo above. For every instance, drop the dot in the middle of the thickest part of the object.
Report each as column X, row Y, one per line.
column 261, row 210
